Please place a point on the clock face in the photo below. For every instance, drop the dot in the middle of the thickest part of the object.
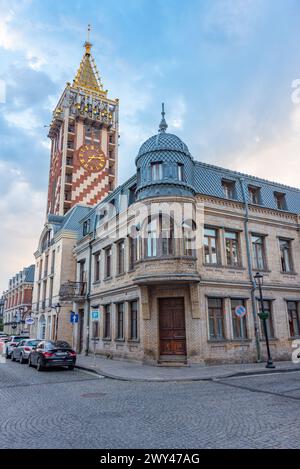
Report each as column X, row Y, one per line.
column 92, row 158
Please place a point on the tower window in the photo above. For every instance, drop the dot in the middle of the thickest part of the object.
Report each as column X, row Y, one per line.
column 156, row 171
column 180, row 172
column 280, row 200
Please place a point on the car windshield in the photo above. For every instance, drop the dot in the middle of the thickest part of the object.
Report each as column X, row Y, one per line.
column 18, row 339
column 31, row 343
column 57, row 344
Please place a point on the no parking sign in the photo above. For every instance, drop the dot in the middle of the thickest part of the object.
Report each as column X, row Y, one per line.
column 240, row 311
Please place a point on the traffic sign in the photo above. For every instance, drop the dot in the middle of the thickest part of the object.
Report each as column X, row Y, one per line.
column 73, row 317
column 95, row 315
column 240, row 311
column 29, row 321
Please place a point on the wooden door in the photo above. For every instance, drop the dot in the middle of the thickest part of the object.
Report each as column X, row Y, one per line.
column 172, row 326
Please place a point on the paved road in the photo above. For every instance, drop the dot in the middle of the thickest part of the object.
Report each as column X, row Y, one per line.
column 74, row 409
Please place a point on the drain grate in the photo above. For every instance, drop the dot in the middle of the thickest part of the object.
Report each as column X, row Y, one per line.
column 93, row 395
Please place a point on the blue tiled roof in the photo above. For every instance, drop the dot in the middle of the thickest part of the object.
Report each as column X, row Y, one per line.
column 29, row 273
column 208, row 181
column 163, row 141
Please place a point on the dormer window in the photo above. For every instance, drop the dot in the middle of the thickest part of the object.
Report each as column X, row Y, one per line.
column 156, row 171
column 86, row 227
column 180, row 172
column 228, row 189
column 280, row 200
column 254, row 195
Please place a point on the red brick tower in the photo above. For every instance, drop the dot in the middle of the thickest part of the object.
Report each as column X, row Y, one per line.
column 84, row 141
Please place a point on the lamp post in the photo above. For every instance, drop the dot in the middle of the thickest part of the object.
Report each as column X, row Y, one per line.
column 264, row 316
column 57, row 310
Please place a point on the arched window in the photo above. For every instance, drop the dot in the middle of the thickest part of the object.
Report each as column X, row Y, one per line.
column 46, row 241
column 159, row 236
column 42, row 327
column 189, row 237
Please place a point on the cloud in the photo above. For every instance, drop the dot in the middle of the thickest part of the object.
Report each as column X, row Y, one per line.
column 21, row 212
column 275, row 158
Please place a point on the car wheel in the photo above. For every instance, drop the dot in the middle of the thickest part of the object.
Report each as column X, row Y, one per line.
column 29, row 361
column 71, row 367
column 13, row 358
column 39, row 366
column 21, row 359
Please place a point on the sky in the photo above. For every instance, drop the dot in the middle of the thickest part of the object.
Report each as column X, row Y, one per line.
column 224, row 68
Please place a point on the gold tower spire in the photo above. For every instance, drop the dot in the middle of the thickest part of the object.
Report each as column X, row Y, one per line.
column 87, row 77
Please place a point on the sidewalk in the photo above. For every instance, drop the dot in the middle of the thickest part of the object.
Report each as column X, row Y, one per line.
column 134, row 371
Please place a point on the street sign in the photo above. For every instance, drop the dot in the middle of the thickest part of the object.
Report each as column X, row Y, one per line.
column 29, row 321
column 95, row 315
column 240, row 311
column 73, row 317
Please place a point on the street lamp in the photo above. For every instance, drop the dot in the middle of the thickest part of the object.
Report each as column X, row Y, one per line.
column 57, row 310
column 264, row 316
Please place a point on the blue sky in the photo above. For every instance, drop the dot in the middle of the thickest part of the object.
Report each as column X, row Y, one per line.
column 224, row 68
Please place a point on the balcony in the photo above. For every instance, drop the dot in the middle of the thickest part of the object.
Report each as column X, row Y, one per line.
column 72, row 291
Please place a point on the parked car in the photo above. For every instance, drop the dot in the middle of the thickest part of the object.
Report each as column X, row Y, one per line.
column 22, row 350
column 3, row 340
column 13, row 342
column 49, row 353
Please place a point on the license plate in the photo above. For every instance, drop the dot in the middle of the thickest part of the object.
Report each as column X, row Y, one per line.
column 60, row 354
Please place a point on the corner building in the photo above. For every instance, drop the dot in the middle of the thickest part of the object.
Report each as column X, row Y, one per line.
column 159, row 297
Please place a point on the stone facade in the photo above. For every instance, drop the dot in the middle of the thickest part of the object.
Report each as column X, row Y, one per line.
column 17, row 301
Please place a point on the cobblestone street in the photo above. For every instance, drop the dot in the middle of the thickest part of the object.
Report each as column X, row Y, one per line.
column 63, row 409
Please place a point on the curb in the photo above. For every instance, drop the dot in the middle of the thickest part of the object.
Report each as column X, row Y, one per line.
column 193, row 379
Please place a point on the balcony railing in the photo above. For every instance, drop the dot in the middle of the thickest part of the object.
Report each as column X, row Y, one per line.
column 71, row 291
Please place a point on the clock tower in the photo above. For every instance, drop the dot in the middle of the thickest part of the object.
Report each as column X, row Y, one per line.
column 84, row 141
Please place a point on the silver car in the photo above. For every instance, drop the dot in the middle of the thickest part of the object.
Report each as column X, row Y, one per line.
column 12, row 343
column 22, row 350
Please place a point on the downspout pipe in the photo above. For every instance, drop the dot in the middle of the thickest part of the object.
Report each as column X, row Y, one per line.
column 250, row 271
column 89, row 286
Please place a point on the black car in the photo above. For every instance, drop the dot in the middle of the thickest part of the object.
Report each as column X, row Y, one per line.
column 49, row 353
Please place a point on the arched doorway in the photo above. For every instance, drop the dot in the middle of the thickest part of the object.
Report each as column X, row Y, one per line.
column 42, row 327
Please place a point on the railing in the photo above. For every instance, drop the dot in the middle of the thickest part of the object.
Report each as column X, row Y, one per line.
column 72, row 290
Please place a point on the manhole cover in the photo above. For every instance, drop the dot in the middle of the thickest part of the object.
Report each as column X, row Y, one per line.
column 91, row 395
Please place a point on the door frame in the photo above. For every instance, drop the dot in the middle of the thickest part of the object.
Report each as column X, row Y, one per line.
column 182, row 296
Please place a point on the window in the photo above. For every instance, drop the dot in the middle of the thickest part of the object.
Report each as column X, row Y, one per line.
column 210, row 246
column 294, row 318
column 160, row 236
column 121, row 257
column 232, row 248
column 285, row 255
column 107, row 326
column 108, row 262
column 269, row 321
column 189, row 237
column 228, row 189
column 53, row 262
column 258, row 252
column 95, row 329
column 216, row 318
column 254, row 194
column 180, row 172
column 120, row 321
column 280, row 200
column 239, row 325
column 132, row 195
column 134, row 243
column 133, row 320
column 46, row 265
column 97, row 267
column 86, row 227
column 156, row 171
